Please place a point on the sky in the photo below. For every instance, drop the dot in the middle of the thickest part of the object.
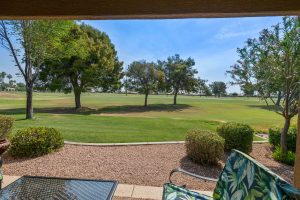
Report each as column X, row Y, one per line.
column 212, row 43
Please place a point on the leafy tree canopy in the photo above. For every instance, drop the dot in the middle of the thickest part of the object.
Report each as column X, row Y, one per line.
column 202, row 87
column 179, row 75
column 218, row 88
column 144, row 77
column 84, row 58
column 30, row 42
column 273, row 61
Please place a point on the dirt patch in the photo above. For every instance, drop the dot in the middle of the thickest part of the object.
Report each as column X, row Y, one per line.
column 218, row 120
column 141, row 165
column 10, row 95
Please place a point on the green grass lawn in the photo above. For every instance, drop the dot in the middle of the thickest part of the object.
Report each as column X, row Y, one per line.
column 120, row 118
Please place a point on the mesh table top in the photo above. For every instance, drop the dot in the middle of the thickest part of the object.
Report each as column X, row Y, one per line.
column 48, row 188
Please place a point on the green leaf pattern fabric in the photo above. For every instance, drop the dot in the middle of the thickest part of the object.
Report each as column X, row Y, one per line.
column 242, row 178
column 174, row 192
column 245, row 179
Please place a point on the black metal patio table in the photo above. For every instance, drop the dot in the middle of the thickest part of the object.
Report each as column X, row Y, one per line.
column 51, row 188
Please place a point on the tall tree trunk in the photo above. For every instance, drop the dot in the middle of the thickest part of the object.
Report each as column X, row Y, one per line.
column 283, row 140
column 279, row 97
column 146, row 99
column 77, row 94
column 29, row 108
column 175, row 98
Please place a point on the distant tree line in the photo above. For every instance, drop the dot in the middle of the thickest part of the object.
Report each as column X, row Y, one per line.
column 171, row 76
column 7, row 83
column 69, row 56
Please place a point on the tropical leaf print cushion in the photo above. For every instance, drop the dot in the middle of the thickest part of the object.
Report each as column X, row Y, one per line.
column 174, row 192
column 244, row 178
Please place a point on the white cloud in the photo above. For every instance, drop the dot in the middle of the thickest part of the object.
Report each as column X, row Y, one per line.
column 244, row 27
column 226, row 33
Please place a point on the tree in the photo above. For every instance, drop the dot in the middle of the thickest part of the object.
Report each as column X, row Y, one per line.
column 10, row 81
column 202, row 87
column 125, row 83
column 278, row 66
column 29, row 42
column 9, row 76
column 179, row 75
column 20, row 87
column 273, row 61
column 84, row 58
column 144, row 77
column 241, row 72
column 218, row 88
column 2, row 81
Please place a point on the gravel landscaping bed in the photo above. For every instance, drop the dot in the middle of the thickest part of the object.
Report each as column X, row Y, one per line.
column 141, row 165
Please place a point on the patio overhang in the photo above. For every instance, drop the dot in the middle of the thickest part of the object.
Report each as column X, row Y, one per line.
column 150, row 9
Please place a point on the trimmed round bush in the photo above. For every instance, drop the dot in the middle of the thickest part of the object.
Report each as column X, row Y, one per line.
column 275, row 137
column 35, row 141
column 204, row 147
column 6, row 124
column 237, row 136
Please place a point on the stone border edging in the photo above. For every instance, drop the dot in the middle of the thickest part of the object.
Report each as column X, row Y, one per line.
column 265, row 140
column 122, row 144
column 134, row 143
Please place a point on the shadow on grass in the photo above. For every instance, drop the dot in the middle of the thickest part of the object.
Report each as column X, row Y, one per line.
column 124, row 109
column 134, row 109
column 265, row 107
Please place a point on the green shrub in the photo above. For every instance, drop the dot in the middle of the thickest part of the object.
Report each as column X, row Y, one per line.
column 35, row 141
column 6, row 124
column 204, row 147
column 275, row 135
column 237, row 136
column 288, row 159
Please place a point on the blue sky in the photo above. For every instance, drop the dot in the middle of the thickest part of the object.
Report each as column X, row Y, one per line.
column 211, row 42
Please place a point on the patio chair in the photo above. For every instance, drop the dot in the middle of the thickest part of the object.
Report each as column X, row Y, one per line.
column 241, row 178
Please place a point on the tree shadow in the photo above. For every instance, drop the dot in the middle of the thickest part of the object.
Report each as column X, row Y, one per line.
column 265, row 107
column 139, row 109
column 124, row 109
column 13, row 111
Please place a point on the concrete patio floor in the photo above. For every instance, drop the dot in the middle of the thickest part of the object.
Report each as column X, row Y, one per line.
column 123, row 191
